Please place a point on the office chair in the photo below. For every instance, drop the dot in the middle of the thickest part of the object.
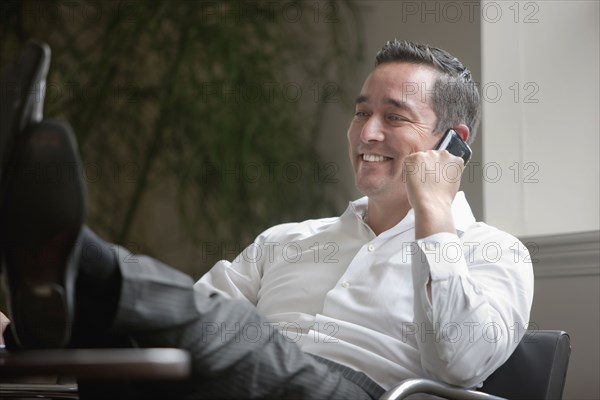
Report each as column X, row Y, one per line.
column 537, row 369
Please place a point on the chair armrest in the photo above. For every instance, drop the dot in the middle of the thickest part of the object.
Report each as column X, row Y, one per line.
column 412, row 386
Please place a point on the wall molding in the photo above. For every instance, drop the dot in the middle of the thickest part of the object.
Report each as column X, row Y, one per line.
column 565, row 255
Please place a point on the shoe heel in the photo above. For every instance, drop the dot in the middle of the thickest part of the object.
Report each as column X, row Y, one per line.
column 46, row 324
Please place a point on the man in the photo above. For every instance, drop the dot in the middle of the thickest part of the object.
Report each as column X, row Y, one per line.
column 404, row 284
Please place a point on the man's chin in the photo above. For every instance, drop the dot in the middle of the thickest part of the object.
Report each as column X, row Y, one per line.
column 378, row 188
column 370, row 189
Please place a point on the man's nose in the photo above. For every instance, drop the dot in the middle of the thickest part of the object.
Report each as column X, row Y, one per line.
column 372, row 131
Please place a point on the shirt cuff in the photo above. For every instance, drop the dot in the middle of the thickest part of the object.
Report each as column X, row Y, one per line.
column 442, row 253
column 439, row 257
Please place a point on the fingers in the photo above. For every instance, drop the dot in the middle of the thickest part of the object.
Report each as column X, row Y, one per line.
column 433, row 166
column 432, row 179
column 434, row 155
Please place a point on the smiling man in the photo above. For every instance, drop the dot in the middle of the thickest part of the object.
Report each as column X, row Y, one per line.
column 405, row 283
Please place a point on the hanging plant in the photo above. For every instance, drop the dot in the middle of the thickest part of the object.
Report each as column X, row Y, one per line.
column 216, row 103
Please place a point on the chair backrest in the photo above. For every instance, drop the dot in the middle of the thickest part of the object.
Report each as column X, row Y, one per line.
column 536, row 370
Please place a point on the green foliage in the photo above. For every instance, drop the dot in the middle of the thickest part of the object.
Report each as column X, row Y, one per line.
column 220, row 99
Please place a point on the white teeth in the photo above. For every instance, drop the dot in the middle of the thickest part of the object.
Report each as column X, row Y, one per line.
column 373, row 158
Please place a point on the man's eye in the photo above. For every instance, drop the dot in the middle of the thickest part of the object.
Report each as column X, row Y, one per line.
column 396, row 118
column 361, row 114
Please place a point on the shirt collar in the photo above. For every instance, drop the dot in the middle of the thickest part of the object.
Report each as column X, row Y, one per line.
column 461, row 212
column 358, row 207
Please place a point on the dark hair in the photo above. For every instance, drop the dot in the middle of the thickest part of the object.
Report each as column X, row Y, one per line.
column 455, row 98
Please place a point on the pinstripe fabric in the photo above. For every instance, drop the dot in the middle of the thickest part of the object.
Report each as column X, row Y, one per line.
column 236, row 353
column 359, row 378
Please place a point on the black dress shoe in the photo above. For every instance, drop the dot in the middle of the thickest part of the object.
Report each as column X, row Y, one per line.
column 21, row 97
column 40, row 220
column 22, row 86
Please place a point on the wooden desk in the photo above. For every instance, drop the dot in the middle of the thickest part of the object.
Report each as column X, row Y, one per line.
column 89, row 364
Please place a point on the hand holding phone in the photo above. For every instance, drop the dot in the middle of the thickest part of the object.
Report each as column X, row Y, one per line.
column 455, row 145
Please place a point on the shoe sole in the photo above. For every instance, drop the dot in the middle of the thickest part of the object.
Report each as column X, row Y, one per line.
column 41, row 219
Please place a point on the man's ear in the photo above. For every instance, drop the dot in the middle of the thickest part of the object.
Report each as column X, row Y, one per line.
column 463, row 131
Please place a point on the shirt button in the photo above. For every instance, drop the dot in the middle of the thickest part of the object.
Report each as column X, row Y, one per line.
column 346, row 284
column 371, row 247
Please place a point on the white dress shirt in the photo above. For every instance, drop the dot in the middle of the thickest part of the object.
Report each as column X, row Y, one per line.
column 345, row 294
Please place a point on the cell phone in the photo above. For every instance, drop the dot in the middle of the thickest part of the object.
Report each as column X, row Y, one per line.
column 455, row 145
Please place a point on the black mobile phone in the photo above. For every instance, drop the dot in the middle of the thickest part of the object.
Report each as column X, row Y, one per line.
column 455, row 145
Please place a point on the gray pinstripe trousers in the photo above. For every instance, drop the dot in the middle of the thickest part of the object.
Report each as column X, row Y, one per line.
column 235, row 351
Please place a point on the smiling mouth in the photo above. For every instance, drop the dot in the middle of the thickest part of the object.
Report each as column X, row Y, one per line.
column 374, row 158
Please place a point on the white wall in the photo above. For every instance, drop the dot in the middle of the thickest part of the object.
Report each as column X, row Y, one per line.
column 567, row 297
column 541, row 85
column 540, row 69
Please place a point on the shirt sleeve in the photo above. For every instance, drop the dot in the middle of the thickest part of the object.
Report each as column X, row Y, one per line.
column 241, row 278
column 238, row 280
column 482, row 290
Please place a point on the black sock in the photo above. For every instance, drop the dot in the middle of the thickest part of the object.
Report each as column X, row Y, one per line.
column 98, row 289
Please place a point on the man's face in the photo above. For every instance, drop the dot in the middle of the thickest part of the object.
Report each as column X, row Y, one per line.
column 393, row 118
